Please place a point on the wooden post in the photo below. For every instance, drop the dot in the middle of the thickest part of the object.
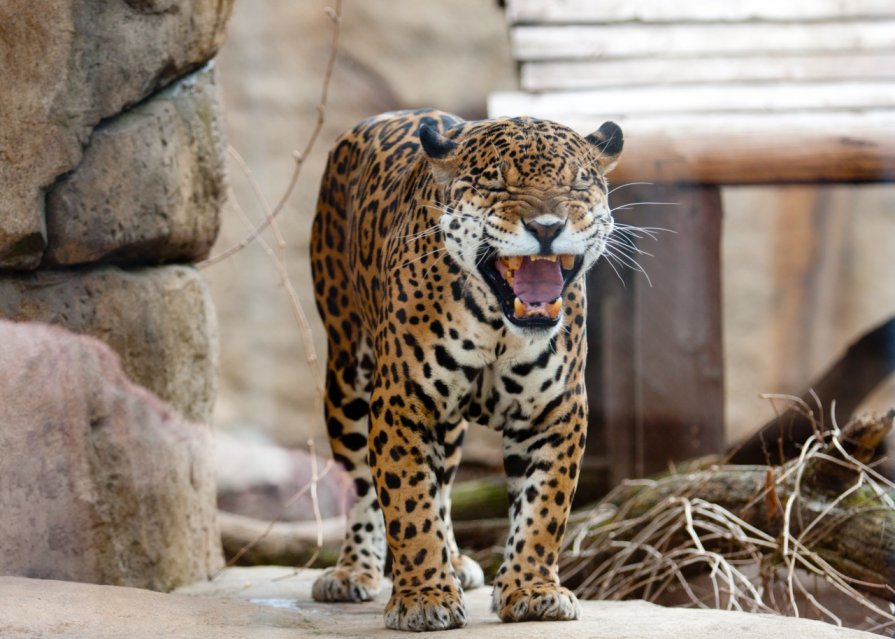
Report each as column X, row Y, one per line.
column 659, row 393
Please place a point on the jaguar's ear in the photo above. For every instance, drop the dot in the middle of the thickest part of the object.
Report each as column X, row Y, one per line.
column 440, row 151
column 609, row 140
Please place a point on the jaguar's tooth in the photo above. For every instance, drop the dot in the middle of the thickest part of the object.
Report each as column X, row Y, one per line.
column 549, row 258
column 568, row 262
column 513, row 262
column 554, row 308
column 519, row 308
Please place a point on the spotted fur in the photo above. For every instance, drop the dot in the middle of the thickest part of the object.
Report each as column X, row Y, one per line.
column 415, row 211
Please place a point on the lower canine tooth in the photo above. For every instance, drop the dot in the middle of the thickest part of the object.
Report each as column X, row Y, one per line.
column 519, row 308
column 554, row 308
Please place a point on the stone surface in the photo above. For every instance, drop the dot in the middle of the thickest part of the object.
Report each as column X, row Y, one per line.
column 276, row 602
column 150, row 185
column 65, row 66
column 160, row 321
column 102, row 482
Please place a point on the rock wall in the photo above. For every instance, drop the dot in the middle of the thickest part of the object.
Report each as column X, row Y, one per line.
column 112, row 157
column 111, row 184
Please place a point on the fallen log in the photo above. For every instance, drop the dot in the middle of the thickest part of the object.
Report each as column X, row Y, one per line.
column 251, row 542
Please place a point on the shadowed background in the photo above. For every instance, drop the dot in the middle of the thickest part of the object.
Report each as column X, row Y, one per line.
column 805, row 269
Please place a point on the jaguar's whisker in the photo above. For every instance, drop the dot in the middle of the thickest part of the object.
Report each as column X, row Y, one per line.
column 626, row 260
column 424, row 255
column 626, row 185
column 631, row 205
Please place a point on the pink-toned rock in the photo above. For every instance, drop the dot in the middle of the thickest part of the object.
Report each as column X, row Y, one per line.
column 101, row 481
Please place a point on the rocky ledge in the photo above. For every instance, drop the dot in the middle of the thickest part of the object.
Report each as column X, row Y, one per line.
column 276, row 603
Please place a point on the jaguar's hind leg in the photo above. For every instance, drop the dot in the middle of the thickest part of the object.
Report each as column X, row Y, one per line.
column 357, row 575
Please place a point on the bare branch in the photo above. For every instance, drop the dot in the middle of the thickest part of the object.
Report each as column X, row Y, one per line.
column 299, row 157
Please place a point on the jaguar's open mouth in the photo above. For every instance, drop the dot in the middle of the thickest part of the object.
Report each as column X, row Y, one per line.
column 530, row 287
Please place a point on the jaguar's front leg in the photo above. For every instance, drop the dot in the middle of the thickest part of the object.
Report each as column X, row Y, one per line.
column 407, row 463
column 541, row 462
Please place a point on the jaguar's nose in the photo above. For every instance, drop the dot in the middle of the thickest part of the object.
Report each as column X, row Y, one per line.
column 545, row 233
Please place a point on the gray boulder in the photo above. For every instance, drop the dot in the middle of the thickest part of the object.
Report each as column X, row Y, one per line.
column 68, row 65
column 150, row 185
column 101, row 481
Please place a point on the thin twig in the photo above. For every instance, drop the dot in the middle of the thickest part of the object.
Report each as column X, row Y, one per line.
column 242, row 551
column 299, row 157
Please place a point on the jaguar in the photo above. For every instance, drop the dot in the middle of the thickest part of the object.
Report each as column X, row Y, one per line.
column 448, row 260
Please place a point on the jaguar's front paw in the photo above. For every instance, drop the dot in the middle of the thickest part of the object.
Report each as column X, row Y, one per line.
column 537, row 602
column 343, row 584
column 425, row 609
column 468, row 571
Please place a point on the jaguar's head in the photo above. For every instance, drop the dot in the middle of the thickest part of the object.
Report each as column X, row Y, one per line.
column 524, row 208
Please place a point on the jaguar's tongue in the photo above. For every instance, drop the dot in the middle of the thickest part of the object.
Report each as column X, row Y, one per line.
column 538, row 281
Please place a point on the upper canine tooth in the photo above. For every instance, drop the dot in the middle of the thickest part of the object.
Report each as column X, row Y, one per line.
column 568, row 262
column 513, row 262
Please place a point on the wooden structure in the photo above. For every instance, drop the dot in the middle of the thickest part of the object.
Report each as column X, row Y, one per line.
column 708, row 94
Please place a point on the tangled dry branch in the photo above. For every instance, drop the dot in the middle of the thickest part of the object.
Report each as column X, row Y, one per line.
column 756, row 538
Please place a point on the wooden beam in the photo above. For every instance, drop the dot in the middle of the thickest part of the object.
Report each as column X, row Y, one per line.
column 739, row 148
column 606, row 11
column 658, row 72
column 662, row 356
column 675, row 40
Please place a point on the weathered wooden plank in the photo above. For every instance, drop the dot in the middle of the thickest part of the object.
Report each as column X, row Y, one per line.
column 662, row 353
column 588, row 74
column 740, row 98
column 736, row 148
column 597, row 461
column 611, row 384
column 673, row 40
column 607, row 11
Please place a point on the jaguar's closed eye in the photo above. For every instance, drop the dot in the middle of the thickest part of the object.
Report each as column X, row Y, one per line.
column 582, row 183
column 492, row 185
